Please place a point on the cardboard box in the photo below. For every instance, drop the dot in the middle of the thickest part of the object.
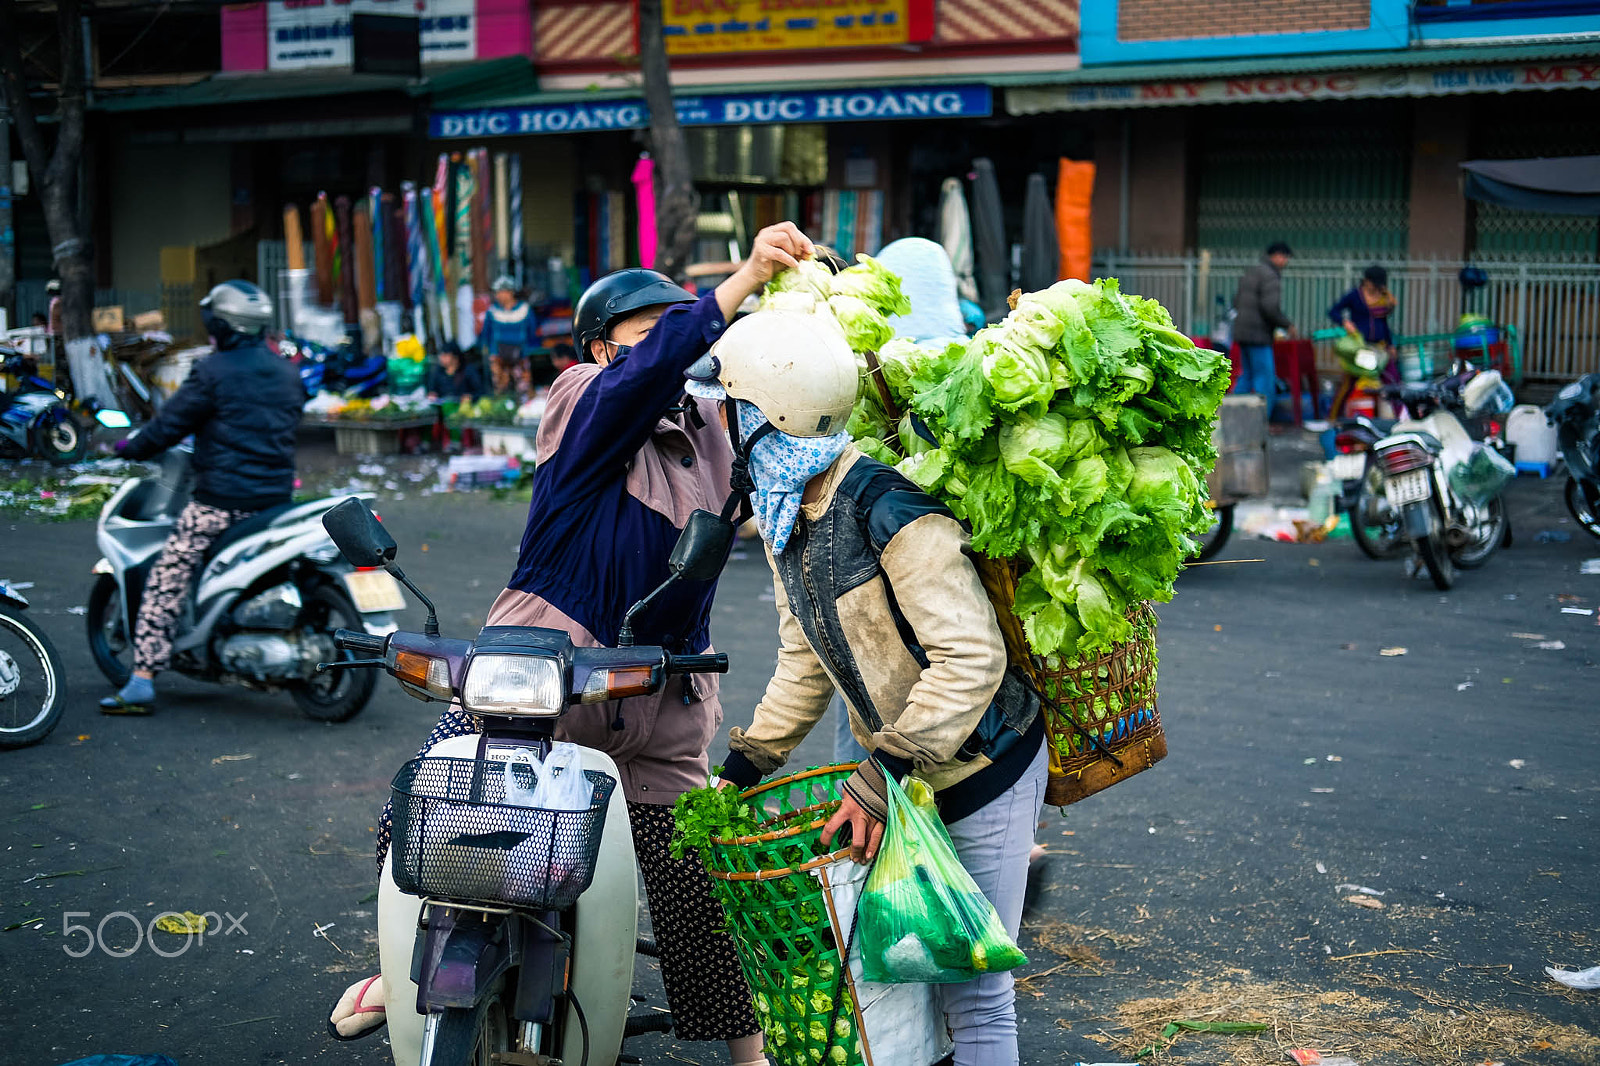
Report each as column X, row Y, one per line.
column 148, row 321
column 106, row 319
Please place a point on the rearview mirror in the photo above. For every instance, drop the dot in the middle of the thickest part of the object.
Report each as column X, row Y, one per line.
column 358, row 533
column 702, row 547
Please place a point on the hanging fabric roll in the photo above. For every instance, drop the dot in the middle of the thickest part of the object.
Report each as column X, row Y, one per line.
column 465, row 331
column 989, row 239
column 644, row 191
column 502, row 211
column 344, row 262
column 515, row 253
column 322, row 248
column 374, row 206
column 396, row 268
column 617, row 232
column 1074, row 229
column 955, row 233
column 1041, row 252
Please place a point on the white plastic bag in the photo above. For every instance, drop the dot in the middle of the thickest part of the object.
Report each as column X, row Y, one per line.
column 562, row 785
column 900, row 1023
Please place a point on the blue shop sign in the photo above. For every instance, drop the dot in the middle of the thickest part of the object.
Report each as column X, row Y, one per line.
column 725, row 109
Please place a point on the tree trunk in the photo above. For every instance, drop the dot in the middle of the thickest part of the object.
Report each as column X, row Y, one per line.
column 677, row 205
column 56, row 177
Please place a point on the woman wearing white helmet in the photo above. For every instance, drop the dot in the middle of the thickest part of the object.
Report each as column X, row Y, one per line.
column 876, row 598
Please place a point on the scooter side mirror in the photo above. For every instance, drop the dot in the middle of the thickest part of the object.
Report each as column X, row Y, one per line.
column 358, row 534
column 702, row 547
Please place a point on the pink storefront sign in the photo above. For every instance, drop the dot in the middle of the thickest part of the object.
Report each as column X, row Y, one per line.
column 284, row 35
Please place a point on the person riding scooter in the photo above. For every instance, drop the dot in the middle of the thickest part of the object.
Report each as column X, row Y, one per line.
column 242, row 403
column 876, row 598
column 624, row 457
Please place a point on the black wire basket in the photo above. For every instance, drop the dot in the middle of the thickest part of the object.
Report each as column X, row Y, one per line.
column 456, row 838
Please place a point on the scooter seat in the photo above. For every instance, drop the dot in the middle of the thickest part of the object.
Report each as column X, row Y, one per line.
column 241, row 529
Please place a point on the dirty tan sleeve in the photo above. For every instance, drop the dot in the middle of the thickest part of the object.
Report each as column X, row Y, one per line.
column 796, row 697
column 940, row 595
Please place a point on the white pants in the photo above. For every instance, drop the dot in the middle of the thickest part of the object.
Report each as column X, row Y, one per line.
column 994, row 843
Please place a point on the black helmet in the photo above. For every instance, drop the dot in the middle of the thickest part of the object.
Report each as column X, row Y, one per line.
column 235, row 308
column 617, row 295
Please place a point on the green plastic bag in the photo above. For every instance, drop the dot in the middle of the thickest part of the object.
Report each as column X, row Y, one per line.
column 922, row 918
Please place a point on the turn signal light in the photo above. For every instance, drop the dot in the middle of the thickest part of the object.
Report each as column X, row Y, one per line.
column 619, row 683
column 424, row 672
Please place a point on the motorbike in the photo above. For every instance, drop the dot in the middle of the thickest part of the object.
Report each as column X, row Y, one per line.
column 1441, row 489
column 33, row 686
column 38, row 420
column 262, row 611
column 507, row 933
column 1374, row 526
column 1575, row 412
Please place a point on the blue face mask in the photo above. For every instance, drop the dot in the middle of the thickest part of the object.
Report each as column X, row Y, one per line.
column 780, row 466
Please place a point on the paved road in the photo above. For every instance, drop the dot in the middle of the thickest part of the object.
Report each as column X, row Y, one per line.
column 1458, row 780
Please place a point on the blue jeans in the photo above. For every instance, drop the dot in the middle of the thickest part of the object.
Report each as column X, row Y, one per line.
column 994, row 843
column 1257, row 373
column 845, row 746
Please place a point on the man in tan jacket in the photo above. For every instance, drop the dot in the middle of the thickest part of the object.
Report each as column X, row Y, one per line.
column 876, row 598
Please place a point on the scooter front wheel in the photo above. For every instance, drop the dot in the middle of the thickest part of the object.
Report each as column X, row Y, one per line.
column 1216, row 537
column 110, row 644
column 33, row 687
column 474, row 1036
column 1430, row 545
column 1582, row 513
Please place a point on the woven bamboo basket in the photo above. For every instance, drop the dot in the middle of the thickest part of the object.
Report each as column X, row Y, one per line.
column 779, row 917
column 1100, row 712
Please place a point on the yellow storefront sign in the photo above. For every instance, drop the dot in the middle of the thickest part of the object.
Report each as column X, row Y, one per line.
column 698, row 27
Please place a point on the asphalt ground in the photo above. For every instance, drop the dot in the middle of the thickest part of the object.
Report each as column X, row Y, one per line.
column 1457, row 781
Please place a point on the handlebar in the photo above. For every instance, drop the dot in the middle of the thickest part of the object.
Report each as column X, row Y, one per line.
column 364, row 643
column 698, row 664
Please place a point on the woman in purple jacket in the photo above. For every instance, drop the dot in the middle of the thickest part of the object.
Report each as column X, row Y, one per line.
column 624, row 457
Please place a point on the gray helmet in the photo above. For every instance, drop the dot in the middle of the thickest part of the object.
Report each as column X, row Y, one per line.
column 237, row 307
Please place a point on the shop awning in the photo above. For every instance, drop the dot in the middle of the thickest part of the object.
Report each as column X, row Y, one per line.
column 1568, row 185
column 511, row 74
column 1421, row 71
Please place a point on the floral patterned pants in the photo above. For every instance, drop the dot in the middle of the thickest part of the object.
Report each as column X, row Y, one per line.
column 167, row 588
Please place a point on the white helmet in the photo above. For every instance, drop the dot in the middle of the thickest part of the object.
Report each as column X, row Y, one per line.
column 795, row 367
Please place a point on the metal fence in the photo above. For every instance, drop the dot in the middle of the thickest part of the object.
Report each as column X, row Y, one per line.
column 1555, row 306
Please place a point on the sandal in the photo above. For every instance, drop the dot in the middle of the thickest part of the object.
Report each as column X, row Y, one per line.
column 117, row 705
column 351, row 1006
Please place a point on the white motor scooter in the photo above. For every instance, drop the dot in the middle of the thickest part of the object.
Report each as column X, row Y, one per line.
column 262, row 612
column 506, row 932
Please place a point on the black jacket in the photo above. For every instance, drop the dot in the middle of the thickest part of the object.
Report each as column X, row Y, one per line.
column 1259, row 305
column 242, row 405
column 466, row 381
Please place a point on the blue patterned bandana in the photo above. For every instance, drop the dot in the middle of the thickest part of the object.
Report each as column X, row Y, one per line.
column 780, row 465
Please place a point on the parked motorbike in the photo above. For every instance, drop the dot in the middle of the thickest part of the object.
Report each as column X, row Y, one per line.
column 33, row 686
column 262, row 612
column 1441, row 489
column 38, row 420
column 1575, row 412
column 507, row 932
column 1374, row 526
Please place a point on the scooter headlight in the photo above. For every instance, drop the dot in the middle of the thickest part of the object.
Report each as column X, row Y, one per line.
column 513, row 685
column 112, row 418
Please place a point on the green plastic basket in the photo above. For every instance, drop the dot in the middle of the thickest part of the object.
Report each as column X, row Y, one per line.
column 779, row 916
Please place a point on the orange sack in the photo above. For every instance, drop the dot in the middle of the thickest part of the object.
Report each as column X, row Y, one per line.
column 1074, row 189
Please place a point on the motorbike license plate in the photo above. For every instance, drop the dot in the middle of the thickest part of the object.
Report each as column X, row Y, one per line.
column 1349, row 467
column 374, row 591
column 1406, row 488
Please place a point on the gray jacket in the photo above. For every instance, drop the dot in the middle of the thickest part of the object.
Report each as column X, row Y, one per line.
column 1260, row 292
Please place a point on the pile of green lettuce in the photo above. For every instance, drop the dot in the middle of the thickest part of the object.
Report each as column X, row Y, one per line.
column 1075, row 433
column 860, row 299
